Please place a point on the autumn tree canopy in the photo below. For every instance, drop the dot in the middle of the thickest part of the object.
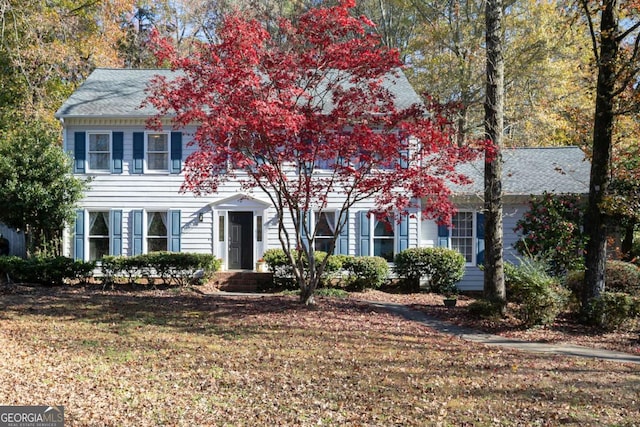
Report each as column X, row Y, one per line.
column 304, row 113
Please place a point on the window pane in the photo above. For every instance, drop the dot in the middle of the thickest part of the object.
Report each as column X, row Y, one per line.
column 322, row 244
column 462, row 234
column 99, row 161
column 98, row 248
column 99, row 142
column 325, row 223
column 157, row 142
column 99, row 224
column 221, row 228
column 156, row 245
column 383, row 228
column 259, row 226
column 156, row 224
column 158, row 161
column 383, row 248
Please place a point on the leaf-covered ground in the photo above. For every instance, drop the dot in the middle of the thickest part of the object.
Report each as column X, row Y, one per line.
column 178, row 358
column 566, row 329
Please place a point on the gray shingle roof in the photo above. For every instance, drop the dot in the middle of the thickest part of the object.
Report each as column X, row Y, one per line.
column 532, row 171
column 120, row 92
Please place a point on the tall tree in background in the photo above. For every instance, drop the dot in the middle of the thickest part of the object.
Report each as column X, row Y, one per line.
column 494, row 286
column 302, row 116
column 616, row 49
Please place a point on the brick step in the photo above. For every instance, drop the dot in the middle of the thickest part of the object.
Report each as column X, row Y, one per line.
column 242, row 281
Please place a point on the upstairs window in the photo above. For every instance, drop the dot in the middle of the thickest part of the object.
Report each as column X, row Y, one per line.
column 99, row 151
column 157, row 151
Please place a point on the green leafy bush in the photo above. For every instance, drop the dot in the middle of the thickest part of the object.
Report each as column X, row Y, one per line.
column 551, row 229
column 366, row 272
column 278, row 263
column 484, row 309
column 620, row 276
column 444, row 268
column 540, row 296
column 180, row 268
column 45, row 270
column 613, row 309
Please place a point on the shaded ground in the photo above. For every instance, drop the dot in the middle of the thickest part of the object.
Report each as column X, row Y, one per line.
column 565, row 330
column 180, row 358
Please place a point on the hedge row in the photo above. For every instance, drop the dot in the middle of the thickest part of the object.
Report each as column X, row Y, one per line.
column 169, row 267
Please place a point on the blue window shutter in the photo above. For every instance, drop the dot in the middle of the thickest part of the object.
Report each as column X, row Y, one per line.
column 138, row 152
column 78, row 245
column 174, row 231
column 115, row 231
column 365, row 234
column 136, row 227
column 403, row 237
column 480, row 238
column 443, row 236
column 117, row 152
column 176, row 152
column 79, row 151
column 342, row 246
column 305, row 218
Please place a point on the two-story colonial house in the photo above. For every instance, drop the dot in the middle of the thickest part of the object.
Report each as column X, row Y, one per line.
column 134, row 204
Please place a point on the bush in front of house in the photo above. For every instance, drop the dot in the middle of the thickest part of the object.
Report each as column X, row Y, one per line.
column 179, row 268
column 611, row 310
column 278, row 264
column 45, row 270
column 366, row 272
column 620, row 276
column 442, row 266
column 540, row 296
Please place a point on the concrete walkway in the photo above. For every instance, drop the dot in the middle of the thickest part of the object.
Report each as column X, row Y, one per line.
column 496, row 340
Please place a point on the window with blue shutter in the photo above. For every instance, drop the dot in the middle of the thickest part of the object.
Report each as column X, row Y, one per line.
column 136, row 234
column 174, row 231
column 117, row 152
column 364, row 235
column 78, row 241
column 176, row 152
column 443, row 236
column 138, row 152
column 115, row 232
column 480, row 238
column 79, row 151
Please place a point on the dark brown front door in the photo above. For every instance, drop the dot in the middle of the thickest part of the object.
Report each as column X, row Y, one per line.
column 240, row 240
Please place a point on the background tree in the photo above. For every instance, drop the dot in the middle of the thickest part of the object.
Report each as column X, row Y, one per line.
column 38, row 192
column 494, row 286
column 615, row 48
column 274, row 109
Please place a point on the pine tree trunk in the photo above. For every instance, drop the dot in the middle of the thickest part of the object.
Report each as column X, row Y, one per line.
column 595, row 224
column 494, row 287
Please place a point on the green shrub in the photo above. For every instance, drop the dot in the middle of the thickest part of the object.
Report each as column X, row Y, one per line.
column 484, row 309
column 366, row 272
column 444, row 268
column 44, row 270
column 540, row 296
column 612, row 309
column 620, row 276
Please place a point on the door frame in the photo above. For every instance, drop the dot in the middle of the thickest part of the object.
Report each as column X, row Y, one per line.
column 220, row 230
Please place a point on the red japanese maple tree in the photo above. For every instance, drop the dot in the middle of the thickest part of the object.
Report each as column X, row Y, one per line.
column 271, row 109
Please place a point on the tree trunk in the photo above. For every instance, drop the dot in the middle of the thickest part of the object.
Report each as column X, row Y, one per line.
column 626, row 247
column 595, row 226
column 494, row 287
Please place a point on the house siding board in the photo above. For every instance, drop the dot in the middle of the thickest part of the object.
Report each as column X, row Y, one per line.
column 16, row 240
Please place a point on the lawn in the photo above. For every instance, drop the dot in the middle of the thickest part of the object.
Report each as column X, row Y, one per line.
column 179, row 358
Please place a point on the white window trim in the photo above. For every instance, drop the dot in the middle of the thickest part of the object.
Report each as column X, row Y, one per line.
column 147, row 169
column 87, row 236
column 145, row 227
column 88, row 155
column 372, row 237
column 474, row 236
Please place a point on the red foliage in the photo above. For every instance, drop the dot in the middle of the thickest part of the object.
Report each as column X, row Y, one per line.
column 272, row 108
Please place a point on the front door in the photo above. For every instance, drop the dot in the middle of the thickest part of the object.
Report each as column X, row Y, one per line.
column 241, row 240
